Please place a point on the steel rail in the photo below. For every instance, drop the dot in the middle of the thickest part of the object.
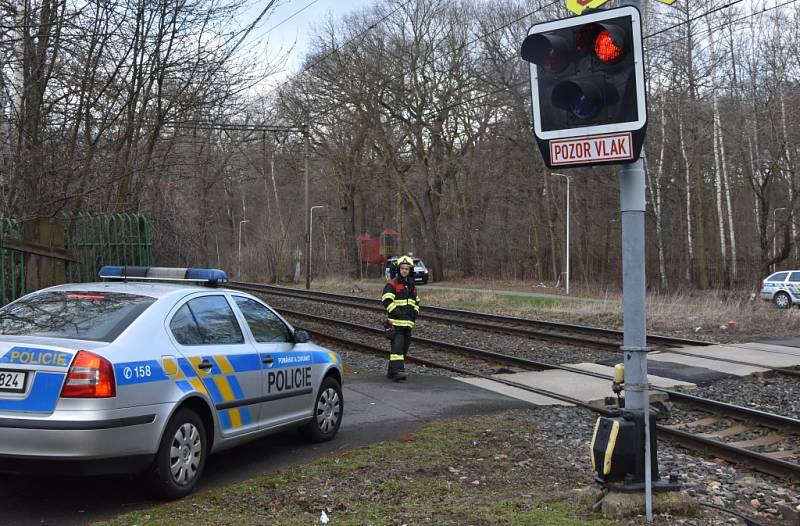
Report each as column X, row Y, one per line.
column 765, row 418
column 737, row 455
column 445, row 315
column 430, row 363
column 372, row 304
column 754, row 460
column 517, row 331
column 462, row 349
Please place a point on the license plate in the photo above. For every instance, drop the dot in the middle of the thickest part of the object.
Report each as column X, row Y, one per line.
column 13, row 381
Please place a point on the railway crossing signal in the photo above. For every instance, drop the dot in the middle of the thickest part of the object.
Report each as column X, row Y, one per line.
column 587, row 88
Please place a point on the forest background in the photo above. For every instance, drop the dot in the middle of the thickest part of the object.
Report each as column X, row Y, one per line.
column 419, row 120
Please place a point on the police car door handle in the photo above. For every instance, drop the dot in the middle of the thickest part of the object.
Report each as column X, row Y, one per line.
column 205, row 364
column 267, row 359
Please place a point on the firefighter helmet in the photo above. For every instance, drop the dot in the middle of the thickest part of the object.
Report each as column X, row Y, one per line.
column 404, row 260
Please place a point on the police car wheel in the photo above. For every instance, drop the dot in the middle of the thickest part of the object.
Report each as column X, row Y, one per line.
column 782, row 300
column 327, row 412
column 181, row 455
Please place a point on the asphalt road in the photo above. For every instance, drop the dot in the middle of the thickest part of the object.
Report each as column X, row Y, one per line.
column 375, row 410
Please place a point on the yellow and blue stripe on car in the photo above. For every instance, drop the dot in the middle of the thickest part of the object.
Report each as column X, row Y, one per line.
column 219, row 382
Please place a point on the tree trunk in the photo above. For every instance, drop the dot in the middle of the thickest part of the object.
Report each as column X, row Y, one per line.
column 689, row 241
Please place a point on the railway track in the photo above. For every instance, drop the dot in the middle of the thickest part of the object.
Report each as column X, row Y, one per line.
column 734, row 433
column 760, row 440
column 582, row 335
column 556, row 332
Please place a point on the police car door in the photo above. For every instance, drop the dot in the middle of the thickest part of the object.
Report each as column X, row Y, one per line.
column 217, row 360
column 288, row 386
column 793, row 286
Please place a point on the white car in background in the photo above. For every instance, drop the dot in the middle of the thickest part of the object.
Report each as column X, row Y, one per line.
column 782, row 288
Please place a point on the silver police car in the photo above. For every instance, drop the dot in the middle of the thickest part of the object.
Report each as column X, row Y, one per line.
column 782, row 288
column 141, row 374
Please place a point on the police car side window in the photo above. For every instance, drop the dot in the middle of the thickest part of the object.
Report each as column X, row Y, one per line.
column 780, row 276
column 794, row 276
column 184, row 327
column 265, row 326
column 214, row 320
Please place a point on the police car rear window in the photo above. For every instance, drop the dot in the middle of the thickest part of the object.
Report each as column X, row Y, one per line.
column 95, row 316
column 780, row 276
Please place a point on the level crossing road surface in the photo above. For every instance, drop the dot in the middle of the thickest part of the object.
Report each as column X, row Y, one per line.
column 375, row 410
column 666, row 369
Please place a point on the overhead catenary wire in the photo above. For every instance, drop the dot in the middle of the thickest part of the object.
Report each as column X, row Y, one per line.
column 724, row 24
column 454, row 105
column 256, row 127
column 433, row 113
column 359, row 35
column 279, row 24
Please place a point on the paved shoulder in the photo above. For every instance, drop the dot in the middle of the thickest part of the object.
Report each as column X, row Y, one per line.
column 420, row 398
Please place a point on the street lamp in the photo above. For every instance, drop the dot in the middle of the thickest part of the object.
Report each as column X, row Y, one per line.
column 239, row 270
column 567, row 177
column 775, row 234
column 310, row 233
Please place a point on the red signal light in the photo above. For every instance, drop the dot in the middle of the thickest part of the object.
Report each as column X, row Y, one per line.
column 606, row 49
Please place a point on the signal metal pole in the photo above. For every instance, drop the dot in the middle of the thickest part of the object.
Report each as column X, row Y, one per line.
column 634, row 347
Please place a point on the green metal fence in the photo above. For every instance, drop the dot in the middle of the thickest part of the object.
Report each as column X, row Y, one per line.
column 95, row 240
column 119, row 239
column 12, row 263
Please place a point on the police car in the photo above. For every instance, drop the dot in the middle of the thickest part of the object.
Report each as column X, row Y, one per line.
column 141, row 374
column 420, row 270
column 782, row 288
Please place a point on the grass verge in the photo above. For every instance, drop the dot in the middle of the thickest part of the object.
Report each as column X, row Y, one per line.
column 481, row 470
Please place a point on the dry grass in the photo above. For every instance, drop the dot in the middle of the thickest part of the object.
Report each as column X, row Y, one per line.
column 712, row 315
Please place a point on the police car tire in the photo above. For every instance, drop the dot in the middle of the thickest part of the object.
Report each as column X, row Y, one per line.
column 165, row 484
column 313, row 429
column 782, row 300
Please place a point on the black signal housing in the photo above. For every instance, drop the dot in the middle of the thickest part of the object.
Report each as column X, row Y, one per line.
column 587, row 77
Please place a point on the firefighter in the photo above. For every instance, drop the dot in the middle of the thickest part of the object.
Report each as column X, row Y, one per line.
column 402, row 305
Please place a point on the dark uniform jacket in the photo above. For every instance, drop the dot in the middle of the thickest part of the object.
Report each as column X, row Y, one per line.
column 401, row 301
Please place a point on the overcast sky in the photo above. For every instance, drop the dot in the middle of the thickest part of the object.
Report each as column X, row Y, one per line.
column 290, row 24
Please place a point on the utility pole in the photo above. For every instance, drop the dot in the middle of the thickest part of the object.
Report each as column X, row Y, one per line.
column 566, row 264
column 306, row 211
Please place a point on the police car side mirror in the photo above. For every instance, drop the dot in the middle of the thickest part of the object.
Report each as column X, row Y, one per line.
column 301, row 336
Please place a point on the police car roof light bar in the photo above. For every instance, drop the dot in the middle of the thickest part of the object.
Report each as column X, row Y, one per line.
column 209, row 276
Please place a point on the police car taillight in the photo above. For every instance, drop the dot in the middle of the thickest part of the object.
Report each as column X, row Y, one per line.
column 90, row 376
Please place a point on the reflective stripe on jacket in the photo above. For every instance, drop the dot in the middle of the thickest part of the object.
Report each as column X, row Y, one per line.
column 401, row 302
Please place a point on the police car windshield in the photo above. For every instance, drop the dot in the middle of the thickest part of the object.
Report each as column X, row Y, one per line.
column 95, row 316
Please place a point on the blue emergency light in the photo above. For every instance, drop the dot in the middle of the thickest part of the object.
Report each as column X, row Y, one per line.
column 209, row 276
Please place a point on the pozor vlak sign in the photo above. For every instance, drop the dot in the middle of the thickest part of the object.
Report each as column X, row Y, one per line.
column 587, row 88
